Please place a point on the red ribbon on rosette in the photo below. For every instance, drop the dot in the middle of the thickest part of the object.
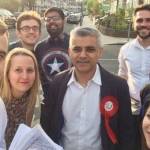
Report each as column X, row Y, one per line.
column 109, row 107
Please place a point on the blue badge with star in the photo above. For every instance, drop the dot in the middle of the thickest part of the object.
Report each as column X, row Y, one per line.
column 55, row 62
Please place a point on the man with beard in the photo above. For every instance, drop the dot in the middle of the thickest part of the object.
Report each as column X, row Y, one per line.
column 134, row 60
column 51, row 53
column 28, row 30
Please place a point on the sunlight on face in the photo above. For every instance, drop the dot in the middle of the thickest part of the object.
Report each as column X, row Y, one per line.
column 21, row 74
column 146, row 127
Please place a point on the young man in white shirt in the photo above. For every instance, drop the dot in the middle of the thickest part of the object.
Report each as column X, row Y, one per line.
column 134, row 56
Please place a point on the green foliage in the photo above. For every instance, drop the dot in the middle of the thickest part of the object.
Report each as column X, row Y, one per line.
column 115, row 21
column 93, row 7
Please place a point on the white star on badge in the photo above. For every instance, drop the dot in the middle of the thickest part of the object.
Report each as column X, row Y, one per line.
column 55, row 66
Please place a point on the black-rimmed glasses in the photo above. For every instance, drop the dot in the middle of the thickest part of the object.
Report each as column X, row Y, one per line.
column 53, row 18
column 28, row 28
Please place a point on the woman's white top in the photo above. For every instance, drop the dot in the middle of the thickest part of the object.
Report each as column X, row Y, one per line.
column 3, row 124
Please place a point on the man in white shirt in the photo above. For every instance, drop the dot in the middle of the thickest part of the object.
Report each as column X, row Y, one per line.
column 134, row 64
column 88, row 108
column 134, row 59
column 3, row 51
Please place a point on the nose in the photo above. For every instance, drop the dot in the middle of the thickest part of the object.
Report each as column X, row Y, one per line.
column 24, row 75
column 83, row 53
column 31, row 30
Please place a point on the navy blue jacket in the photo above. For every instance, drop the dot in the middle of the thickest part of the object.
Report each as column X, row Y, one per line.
column 121, row 123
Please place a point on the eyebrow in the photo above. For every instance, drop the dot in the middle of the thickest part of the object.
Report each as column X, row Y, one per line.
column 2, row 52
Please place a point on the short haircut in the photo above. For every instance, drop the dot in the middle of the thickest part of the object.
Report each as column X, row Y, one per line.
column 55, row 9
column 141, row 8
column 86, row 31
column 28, row 15
column 3, row 27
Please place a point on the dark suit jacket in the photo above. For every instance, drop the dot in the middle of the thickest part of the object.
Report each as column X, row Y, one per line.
column 121, row 123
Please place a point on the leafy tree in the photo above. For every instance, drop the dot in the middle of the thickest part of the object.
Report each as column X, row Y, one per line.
column 93, row 7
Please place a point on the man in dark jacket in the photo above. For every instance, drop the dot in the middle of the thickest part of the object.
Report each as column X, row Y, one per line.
column 51, row 53
column 88, row 108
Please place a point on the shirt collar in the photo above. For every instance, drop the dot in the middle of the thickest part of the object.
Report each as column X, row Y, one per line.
column 139, row 46
column 96, row 78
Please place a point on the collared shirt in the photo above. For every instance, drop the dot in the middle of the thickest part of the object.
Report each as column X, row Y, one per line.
column 134, row 65
column 81, row 113
column 3, row 123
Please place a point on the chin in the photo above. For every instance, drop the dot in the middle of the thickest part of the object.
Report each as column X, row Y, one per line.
column 148, row 142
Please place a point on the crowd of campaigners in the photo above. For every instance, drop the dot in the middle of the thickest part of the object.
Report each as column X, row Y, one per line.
column 82, row 105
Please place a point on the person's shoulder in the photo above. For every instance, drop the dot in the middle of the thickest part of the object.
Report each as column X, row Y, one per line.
column 1, row 101
column 62, row 76
column 2, row 105
column 66, row 36
column 129, row 45
column 41, row 44
column 14, row 44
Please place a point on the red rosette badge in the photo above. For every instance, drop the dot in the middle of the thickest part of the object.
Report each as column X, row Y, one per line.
column 108, row 108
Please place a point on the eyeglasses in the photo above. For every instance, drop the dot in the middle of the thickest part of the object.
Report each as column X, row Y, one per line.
column 53, row 18
column 28, row 28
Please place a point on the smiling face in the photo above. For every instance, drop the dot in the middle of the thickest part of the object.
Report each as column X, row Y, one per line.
column 84, row 54
column 54, row 23
column 146, row 127
column 142, row 24
column 29, row 32
column 21, row 74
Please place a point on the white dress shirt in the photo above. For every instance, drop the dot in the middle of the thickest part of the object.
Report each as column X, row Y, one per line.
column 3, row 124
column 134, row 65
column 81, row 113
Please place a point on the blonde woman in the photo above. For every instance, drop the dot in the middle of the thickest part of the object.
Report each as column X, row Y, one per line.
column 19, row 89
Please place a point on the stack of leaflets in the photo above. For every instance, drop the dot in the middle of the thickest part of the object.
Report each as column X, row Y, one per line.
column 35, row 138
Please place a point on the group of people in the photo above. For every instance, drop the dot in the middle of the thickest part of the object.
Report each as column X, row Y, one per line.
column 83, row 105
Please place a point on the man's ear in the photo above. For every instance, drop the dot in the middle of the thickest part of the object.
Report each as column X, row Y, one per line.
column 100, row 52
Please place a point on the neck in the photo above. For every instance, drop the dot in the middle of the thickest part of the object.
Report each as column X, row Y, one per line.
column 84, row 77
column 144, row 42
column 29, row 47
column 17, row 96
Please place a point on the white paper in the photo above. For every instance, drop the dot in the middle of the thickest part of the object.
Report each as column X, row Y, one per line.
column 35, row 138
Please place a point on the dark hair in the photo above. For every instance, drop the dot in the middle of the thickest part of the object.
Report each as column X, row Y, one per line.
column 55, row 9
column 142, row 7
column 145, row 99
column 28, row 15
